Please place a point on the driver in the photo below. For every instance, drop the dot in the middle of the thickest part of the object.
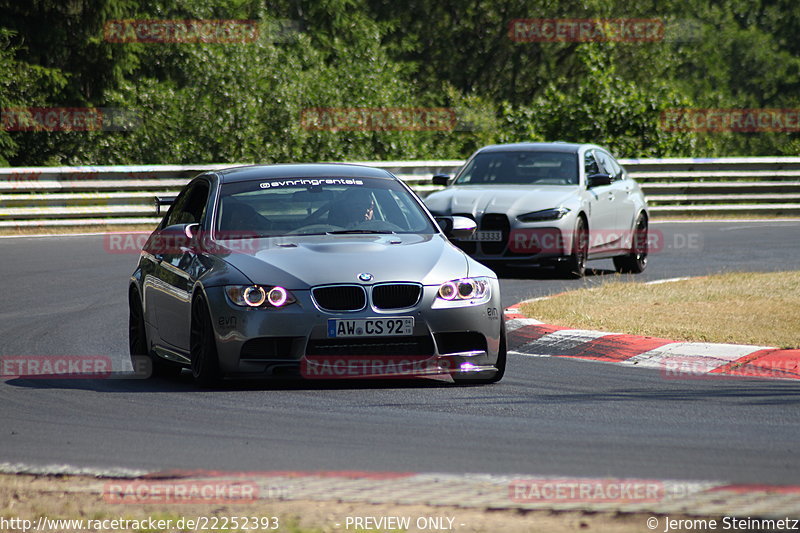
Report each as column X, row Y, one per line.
column 352, row 209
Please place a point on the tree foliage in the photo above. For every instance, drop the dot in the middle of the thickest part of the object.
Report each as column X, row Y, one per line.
column 226, row 102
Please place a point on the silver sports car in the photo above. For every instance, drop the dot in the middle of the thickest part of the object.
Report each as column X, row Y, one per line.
column 548, row 204
column 318, row 270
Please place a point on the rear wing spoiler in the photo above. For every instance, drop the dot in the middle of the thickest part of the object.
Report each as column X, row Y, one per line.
column 162, row 201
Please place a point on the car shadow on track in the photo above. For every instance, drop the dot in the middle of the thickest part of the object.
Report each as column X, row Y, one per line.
column 184, row 383
column 751, row 393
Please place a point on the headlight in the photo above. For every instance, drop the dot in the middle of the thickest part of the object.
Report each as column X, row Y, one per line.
column 468, row 290
column 545, row 214
column 258, row 295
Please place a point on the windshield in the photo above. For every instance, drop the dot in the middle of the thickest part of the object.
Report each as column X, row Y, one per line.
column 314, row 206
column 521, row 168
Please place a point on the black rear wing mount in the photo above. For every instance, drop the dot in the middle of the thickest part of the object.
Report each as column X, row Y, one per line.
column 162, row 201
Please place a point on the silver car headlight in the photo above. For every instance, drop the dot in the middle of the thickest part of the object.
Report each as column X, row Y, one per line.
column 467, row 290
column 543, row 215
column 259, row 295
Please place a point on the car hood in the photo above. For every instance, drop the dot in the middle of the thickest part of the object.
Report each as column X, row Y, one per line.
column 510, row 199
column 298, row 262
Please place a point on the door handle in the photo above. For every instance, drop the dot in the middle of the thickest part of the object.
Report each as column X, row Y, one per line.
column 611, row 197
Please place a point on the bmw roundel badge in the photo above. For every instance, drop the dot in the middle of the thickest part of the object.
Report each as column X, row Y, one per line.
column 365, row 276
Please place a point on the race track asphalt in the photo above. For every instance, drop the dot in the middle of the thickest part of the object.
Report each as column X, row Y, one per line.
column 549, row 416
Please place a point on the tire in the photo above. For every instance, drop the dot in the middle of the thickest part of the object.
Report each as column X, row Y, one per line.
column 574, row 267
column 138, row 345
column 636, row 261
column 203, row 347
column 500, row 365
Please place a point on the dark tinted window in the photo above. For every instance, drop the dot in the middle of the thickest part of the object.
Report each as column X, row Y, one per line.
column 189, row 205
column 302, row 206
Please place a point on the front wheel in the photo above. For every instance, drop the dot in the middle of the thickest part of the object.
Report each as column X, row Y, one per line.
column 574, row 266
column 636, row 261
column 203, row 347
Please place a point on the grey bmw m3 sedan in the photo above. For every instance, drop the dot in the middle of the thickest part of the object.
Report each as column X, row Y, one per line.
column 315, row 270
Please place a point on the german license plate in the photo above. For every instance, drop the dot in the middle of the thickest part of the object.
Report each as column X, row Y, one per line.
column 486, row 236
column 371, row 327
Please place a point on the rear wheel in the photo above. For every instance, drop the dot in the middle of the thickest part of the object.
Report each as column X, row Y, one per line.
column 636, row 261
column 574, row 266
column 203, row 347
column 137, row 342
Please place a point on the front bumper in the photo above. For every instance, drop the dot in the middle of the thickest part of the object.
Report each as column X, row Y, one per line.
column 522, row 244
column 294, row 340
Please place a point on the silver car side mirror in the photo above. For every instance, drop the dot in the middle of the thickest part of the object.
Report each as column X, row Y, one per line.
column 191, row 230
column 457, row 227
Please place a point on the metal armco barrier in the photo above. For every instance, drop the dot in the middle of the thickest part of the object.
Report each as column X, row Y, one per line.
column 123, row 195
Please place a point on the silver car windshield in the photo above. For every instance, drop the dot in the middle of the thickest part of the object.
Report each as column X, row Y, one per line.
column 521, row 168
column 314, row 206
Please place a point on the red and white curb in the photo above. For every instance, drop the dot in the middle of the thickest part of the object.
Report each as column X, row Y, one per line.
column 676, row 360
column 522, row 492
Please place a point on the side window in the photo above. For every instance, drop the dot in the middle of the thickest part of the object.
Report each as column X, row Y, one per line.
column 617, row 168
column 610, row 166
column 590, row 164
column 189, row 206
column 177, row 207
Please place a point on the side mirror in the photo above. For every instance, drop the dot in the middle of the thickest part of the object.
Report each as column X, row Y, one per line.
column 177, row 236
column 596, row 180
column 191, row 230
column 440, row 179
column 457, row 227
column 172, row 240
